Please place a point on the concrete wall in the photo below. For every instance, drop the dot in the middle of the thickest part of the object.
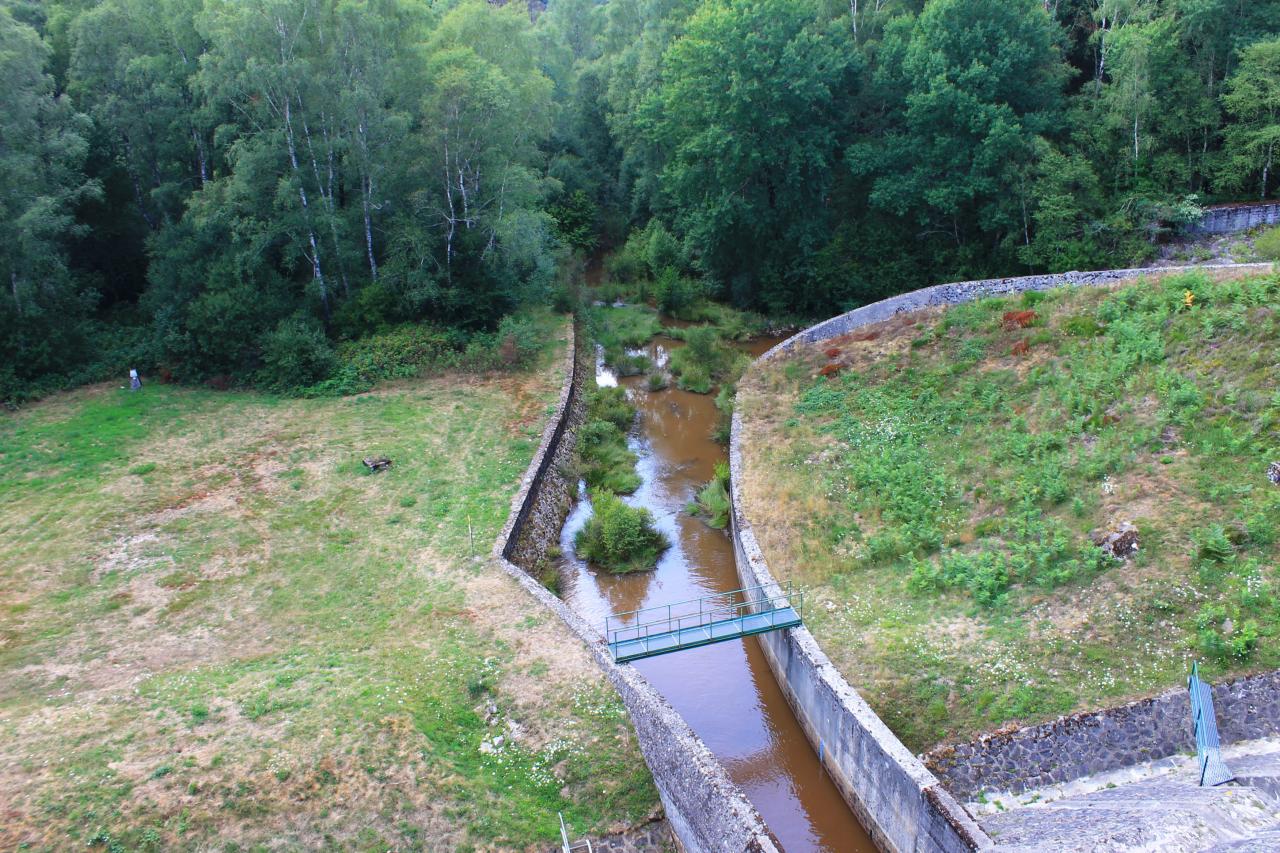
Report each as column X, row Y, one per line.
column 1083, row 744
column 898, row 799
column 706, row 810
column 964, row 291
column 1231, row 218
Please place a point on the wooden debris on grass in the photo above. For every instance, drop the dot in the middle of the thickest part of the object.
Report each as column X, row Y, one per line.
column 376, row 463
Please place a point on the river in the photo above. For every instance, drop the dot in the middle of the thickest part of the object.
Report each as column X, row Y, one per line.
column 726, row 692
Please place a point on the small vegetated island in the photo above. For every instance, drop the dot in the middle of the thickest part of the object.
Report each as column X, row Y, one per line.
column 1020, row 507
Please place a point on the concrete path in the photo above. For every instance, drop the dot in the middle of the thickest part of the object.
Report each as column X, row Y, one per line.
column 1165, row 810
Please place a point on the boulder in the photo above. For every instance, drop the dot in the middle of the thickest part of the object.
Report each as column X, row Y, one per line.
column 1121, row 543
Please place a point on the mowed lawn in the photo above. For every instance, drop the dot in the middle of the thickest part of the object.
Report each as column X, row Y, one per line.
column 940, row 489
column 219, row 632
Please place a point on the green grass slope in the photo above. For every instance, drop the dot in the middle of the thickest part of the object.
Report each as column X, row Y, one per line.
column 218, row 631
column 939, row 481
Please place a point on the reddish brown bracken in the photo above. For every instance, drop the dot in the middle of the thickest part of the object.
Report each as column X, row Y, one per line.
column 1018, row 319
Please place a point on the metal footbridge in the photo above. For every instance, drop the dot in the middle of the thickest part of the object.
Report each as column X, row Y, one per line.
column 702, row 621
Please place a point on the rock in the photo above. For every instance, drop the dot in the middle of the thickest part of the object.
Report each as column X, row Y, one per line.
column 1119, row 543
column 1273, row 473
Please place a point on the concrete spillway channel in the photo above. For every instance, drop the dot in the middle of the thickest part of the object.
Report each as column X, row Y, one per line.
column 725, row 692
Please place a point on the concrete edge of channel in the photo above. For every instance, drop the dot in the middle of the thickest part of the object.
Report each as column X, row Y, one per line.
column 707, row 811
column 898, row 799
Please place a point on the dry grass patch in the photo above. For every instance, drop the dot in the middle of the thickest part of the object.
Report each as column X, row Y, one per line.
column 217, row 629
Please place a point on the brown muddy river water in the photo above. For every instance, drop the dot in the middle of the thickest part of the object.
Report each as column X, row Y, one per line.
column 726, row 692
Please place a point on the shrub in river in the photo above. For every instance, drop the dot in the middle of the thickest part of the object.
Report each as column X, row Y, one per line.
column 625, row 363
column 657, row 381
column 607, row 462
column 618, row 537
column 694, row 377
column 674, row 293
column 620, row 328
column 713, row 499
column 610, row 404
column 706, row 361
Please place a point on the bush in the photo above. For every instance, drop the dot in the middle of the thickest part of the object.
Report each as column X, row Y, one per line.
column 607, row 462
column 1267, row 244
column 620, row 538
column 516, row 343
column 985, row 575
column 674, row 293
column 713, row 499
column 295, row 354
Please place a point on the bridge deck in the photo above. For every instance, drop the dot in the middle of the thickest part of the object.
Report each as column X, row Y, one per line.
column 719, row 618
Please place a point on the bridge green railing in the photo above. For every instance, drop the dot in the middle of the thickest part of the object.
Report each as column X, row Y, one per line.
column 714, row 618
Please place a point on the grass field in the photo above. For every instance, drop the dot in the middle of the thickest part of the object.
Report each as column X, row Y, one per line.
column 941, row 487
column 217, row 631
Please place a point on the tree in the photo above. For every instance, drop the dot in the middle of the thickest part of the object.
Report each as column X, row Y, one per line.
column 1252, row 98
column 42, row 152
column 983, row 80
column 752, row 112
column 485, row 109
column 133, row 69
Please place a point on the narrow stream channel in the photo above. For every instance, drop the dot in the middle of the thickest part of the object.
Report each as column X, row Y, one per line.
column 726, row 692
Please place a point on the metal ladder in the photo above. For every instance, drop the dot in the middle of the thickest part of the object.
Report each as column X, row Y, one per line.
column 567, row 846
column 1213, row 771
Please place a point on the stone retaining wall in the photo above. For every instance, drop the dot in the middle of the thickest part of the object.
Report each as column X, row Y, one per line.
column 704, row 808
column 1083, row 744
column 1231, row 218
column 1095, row 742
column 903, row 805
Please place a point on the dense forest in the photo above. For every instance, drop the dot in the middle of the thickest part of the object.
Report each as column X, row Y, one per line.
column 234, row 190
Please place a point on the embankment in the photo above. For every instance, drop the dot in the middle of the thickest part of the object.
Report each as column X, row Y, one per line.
column 903, row 804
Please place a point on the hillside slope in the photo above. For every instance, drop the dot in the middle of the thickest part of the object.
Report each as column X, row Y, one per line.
column 939, row 481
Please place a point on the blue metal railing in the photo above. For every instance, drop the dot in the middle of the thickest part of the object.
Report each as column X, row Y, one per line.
column 699, row 621
column 1213, row 771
